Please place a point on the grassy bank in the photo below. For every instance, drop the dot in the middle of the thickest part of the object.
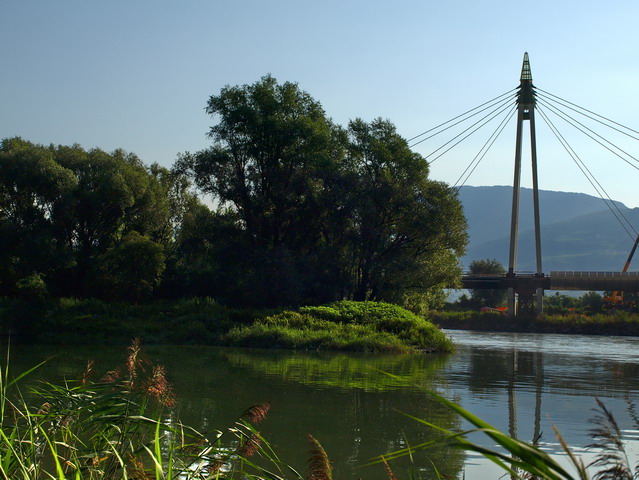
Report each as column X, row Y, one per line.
column 615, row 323
column 352, row 326
column 362, row 326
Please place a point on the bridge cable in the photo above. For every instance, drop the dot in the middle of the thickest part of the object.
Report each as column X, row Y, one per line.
column 574, row 123
column 496, row 106
column 486, row 147
column 461, row 115
column 593, row 113
column 589, row 176
column 501, row 110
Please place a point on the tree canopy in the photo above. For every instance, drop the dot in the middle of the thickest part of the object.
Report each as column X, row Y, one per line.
column 487, row 297
column 324, row 213
column 305, row 212
column 64, row 212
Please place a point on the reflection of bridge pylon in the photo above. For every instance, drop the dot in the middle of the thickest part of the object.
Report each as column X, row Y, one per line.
column 525, row 298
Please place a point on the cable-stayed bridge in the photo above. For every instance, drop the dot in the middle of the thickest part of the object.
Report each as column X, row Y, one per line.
column 525, row 290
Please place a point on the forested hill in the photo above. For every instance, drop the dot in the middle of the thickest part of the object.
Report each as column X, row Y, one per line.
column 578, row 231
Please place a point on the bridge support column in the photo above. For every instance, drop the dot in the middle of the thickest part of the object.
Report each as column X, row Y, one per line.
column 525, row 111
column 512, row 302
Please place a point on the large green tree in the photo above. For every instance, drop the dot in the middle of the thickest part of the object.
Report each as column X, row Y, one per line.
column 273, row 157
column 64, row 211
column 408, row 231
column 32, row 184
column 317, row 212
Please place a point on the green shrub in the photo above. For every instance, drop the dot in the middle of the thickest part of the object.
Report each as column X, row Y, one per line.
column 32, row 288
column 346, row 325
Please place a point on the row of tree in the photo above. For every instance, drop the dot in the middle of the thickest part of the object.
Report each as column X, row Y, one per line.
column 301, row 211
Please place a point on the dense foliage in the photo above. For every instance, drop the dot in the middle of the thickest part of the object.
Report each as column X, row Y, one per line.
column 306, row 212
column 310, row 212
column 80, row 223
column 345, row 325
column 486, row 297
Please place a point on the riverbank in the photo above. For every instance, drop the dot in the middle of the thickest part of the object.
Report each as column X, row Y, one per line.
column 340, row 326
column 616, row 323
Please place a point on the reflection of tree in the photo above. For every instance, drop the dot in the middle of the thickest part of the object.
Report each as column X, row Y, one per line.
column 345, row 401
column 353, row 409
column 366, row 372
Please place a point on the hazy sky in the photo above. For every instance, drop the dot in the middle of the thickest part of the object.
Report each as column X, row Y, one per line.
column 137, row 74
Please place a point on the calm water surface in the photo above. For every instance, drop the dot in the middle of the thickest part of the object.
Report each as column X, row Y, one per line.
column 521, row 383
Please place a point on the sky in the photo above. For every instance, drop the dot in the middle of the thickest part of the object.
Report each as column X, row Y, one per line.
column 137, row 74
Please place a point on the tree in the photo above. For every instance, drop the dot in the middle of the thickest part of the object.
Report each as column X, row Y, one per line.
column 273, row 157
column 487, row 297
column 63, row 209
column 32, row 183
column 408, row 231
column 115, row 196
column 132, row 269
column 319, row 213
column 271, row 149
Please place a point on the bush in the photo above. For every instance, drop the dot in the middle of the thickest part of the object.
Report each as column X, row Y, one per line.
column 345, row 325
column 32, row 288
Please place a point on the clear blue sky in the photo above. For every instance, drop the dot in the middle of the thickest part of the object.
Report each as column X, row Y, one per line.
column 137, row 74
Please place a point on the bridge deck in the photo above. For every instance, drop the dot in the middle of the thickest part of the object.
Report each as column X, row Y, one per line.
column 597, row 281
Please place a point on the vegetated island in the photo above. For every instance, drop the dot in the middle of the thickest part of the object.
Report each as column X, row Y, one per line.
column 338, row 326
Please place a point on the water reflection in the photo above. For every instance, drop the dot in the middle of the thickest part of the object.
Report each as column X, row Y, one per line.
column 347, row 402
column 522, row 384
column 547, row 380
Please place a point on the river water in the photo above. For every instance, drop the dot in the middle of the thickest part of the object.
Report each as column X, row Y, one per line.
column 521, row 383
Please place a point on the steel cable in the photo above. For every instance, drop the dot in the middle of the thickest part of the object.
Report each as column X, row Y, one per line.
column 494, row 115
column 496, row 133
column 589, row 176
column 548, row 95
column 493, row 102
column 564, row 116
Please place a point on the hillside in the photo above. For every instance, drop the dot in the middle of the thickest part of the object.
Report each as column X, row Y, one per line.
column 578, row 231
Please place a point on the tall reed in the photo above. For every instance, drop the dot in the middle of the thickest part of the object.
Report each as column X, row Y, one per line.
column 120, row 426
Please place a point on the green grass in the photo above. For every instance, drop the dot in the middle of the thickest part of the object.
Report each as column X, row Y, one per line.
column 346, row 325
column 350, row 326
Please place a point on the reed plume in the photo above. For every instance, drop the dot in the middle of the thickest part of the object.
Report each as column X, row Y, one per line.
column 249, row 446
column 390, row 474
column 86, row 374
column 613, row 459
column 319, row 465
column 132, row 359
column 112, row 376
column 256, row 413
column 159, row 387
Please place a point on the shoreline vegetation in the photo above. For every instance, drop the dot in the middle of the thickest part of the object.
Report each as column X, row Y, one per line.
column 338, row 326
column 619, row 323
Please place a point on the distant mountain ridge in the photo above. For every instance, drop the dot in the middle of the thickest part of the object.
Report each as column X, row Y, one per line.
column 578, row 230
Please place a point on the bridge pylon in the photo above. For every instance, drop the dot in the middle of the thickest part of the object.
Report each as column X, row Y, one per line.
column 528, row 300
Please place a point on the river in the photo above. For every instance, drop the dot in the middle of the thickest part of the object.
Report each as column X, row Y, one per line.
column 521, row 383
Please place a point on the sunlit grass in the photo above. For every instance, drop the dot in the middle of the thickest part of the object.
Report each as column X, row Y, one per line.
column 354, row 326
